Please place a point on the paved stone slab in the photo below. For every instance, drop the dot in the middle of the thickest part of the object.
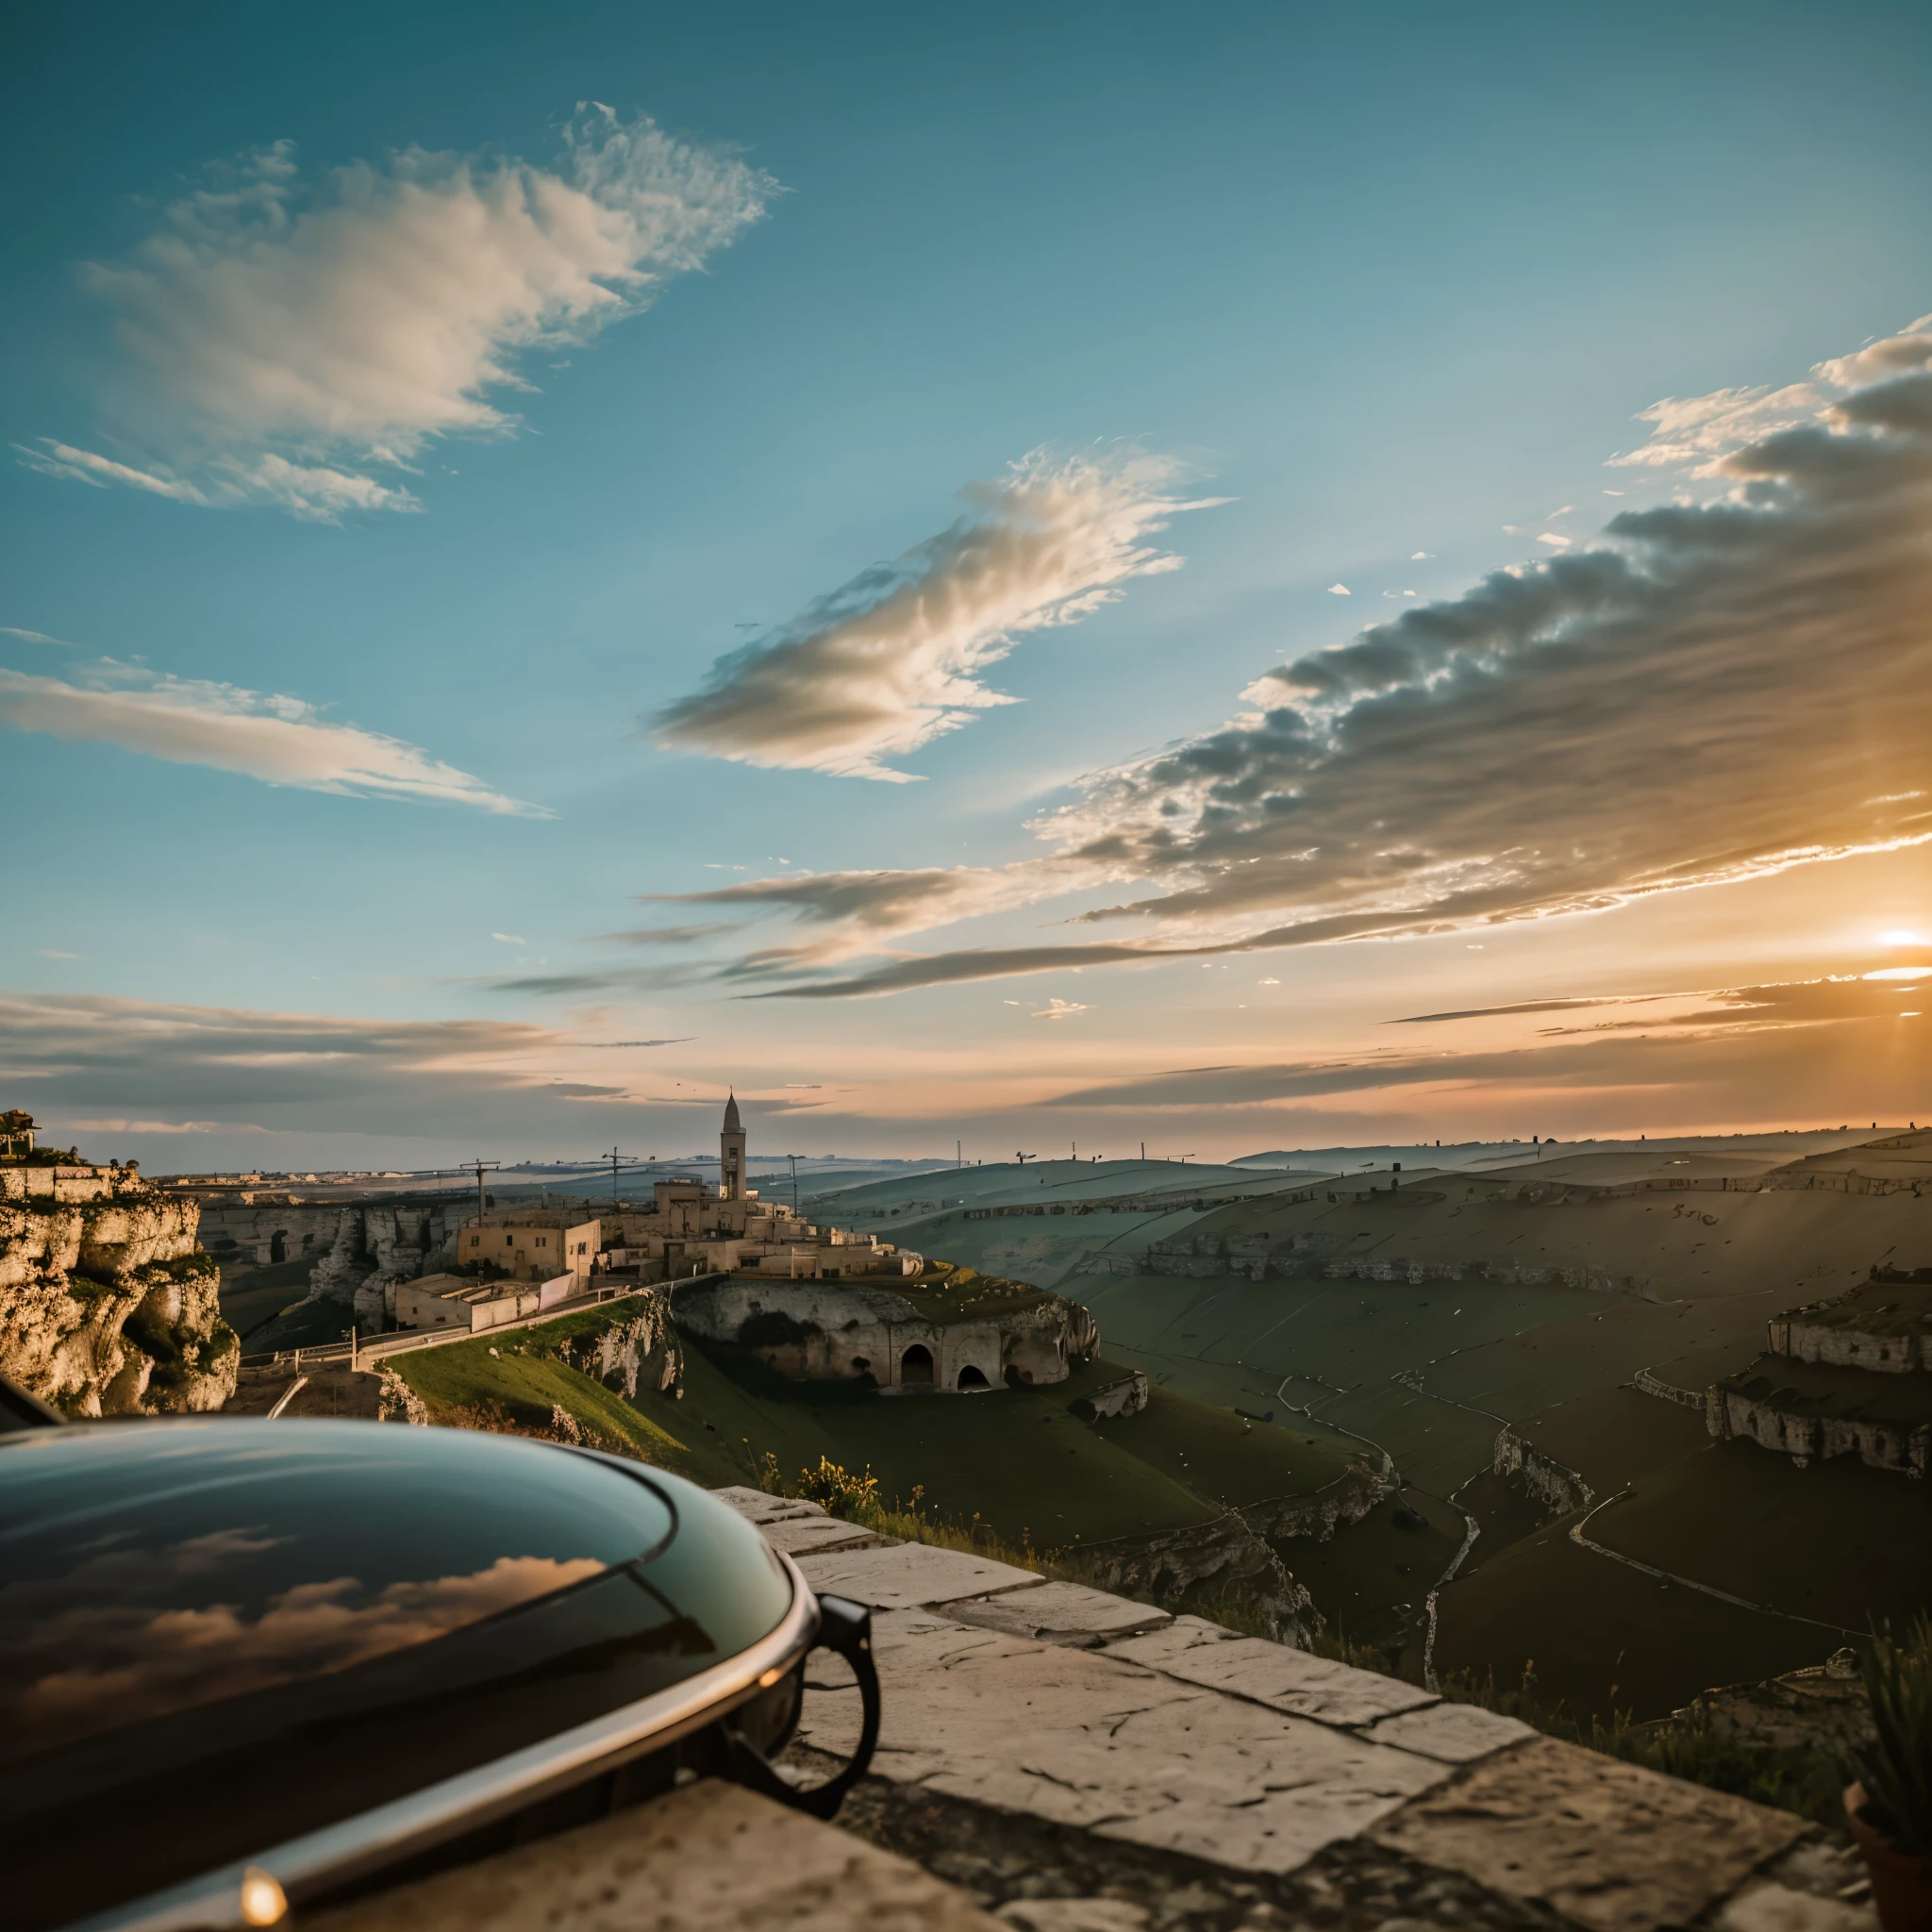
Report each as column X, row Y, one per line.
column 1290, row 1680
column 800, row 1536
column 912, row 1574
column 755, row 1506
column 1060, row 1614
column 710, row 1858
column 1088, row 1739
column 1177, row 1638
column 1605, row 1843
column 1456, row 1733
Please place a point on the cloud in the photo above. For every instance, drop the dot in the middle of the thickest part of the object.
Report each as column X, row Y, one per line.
column 296, row 341
column 1060, row 1009
column 33, row 637
column 49, row 952
column 1340, row 591
column 893, row 658
column 1757, row 1044
column 511, row 939
column 669, row 935
column 1715, row 689
column 230, row 1071
column 874, row 903
column 279, row 739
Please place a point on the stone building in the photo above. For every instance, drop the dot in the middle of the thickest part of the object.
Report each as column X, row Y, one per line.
column 731, row 1154
column 1883, row 1326
column 1842, row 1376
column 533, row 1243
column 818, row 1331
column 16, row 1134
column 690, row 1229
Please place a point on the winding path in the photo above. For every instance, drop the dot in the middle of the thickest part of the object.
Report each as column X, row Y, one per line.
column 1723, row 1596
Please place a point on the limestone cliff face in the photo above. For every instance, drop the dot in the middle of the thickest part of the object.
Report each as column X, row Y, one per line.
column 373, row 1246
column 108, row 1306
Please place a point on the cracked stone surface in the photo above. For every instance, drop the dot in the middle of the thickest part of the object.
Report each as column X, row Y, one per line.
column 756, row 1505
column 1088, row 1740
column 1456, row 1733
column 710, row 1858
column 1085, row 1773
column 1060, row 1614
column 1607, row 1844
column 1272, row 1674
column 800, row 1536
column 908, row 1575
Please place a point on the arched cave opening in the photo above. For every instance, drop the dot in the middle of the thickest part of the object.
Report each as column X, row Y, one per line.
column 915, row 1365
column 971, row 1377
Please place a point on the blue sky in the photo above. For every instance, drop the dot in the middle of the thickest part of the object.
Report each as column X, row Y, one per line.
column 1387, row 280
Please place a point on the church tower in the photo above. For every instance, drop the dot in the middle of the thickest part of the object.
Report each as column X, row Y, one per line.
column 731, row 1155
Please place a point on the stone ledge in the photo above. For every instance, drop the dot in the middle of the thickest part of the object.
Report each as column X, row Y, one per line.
column 1607, row 1844
column 909, row 1574
column 709, row 1857
column 1277, row 1770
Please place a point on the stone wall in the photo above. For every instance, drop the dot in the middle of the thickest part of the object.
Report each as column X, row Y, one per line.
column 1559, row 1488
column 1249, row 1258
column 107, row 1305
column 1647, row 1384
column 1878, row 1442
column 1847, row 1347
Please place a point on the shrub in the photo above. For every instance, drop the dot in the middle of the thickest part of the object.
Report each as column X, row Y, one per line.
column 1896, row 1767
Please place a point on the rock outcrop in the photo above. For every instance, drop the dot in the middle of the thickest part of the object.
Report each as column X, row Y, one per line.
column 107, row 1305
column 375, row 1246
column 1559, row 1488
column 1238, row 1551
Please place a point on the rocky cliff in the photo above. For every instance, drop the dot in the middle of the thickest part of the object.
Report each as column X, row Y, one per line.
column 376, row 1244
column 107, row 1305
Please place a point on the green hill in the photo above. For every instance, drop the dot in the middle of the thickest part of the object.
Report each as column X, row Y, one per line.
column 1017, row 1457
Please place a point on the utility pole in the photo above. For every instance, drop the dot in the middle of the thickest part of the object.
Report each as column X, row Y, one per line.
column 958, row 1154
column 617, row 1160
column 794, row 1159
column 481, row 1167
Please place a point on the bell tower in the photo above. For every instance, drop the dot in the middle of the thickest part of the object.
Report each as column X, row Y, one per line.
column 731, row 1155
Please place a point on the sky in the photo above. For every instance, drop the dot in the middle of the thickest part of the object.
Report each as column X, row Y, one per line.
column 1215, row 579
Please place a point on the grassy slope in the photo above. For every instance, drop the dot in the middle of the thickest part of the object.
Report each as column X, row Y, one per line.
column 1015, row 1456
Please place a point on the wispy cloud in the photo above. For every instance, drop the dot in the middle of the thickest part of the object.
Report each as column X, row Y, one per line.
column 34, row 636
column 1060, row 1009
column 299, row 343
column 511, row 939
column 894, row 658
column 282, row 741
column 1715, row 689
